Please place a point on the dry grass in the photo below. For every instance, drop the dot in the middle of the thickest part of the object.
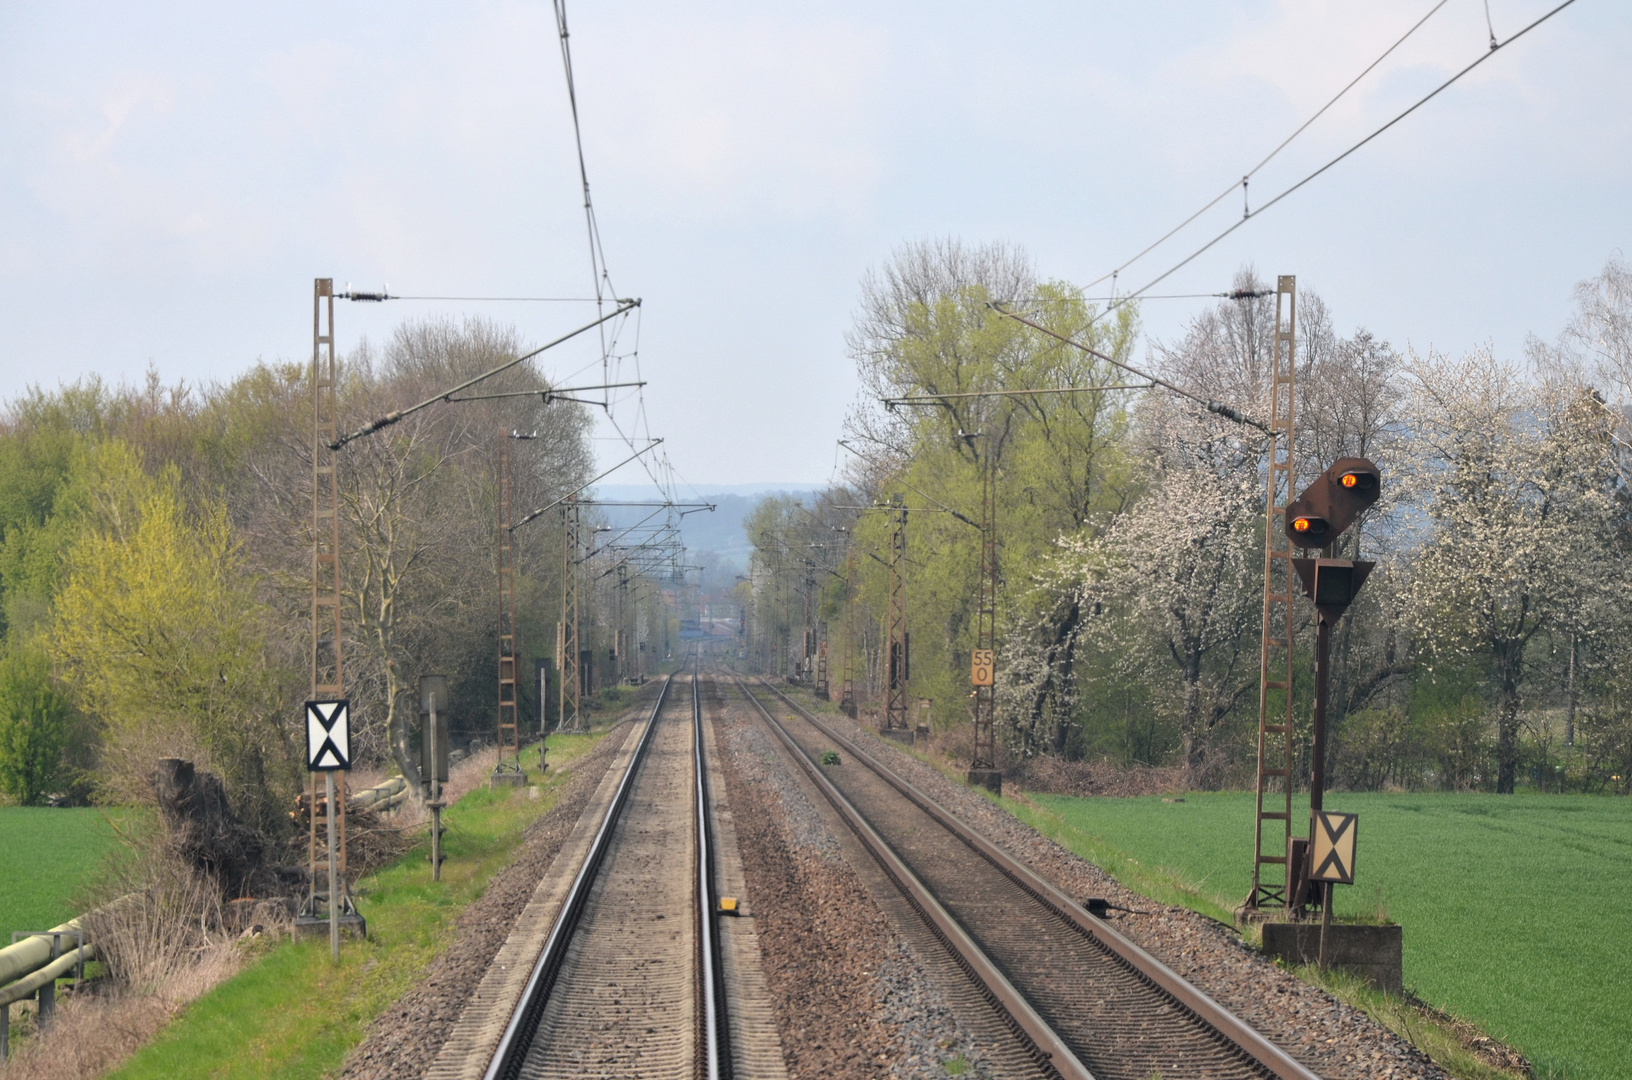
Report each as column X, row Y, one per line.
column 470, row 773
column 374, row 839
column 94, row 1032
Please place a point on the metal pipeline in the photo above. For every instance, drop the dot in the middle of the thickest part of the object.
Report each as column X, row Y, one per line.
column 29, row 954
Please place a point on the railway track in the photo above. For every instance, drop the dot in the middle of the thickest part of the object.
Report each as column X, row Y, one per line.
column 629, row 982
column 1088, row 1003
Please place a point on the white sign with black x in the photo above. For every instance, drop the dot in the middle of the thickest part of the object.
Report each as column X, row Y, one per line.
column 328, row 735
column 1331, row 848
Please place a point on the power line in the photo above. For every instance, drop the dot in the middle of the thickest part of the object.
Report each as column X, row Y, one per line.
column 1271, row 155
column 597, row 257
column 659, row 468
column 1401, row 116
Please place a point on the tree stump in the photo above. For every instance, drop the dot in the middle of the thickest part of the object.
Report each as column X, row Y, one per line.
column 201, row 828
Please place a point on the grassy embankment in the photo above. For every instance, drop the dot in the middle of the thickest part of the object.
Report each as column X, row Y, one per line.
column 47, row 858
column 291, row 1013
column 1514, row 907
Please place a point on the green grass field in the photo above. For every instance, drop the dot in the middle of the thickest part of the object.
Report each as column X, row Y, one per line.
column 1517, row 909
column 47, row 856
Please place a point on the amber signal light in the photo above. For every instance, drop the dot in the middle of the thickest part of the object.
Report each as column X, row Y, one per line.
column 1359, row 483
column 1310, row 527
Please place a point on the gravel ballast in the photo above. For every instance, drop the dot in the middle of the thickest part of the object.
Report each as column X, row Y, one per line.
column 855, row 996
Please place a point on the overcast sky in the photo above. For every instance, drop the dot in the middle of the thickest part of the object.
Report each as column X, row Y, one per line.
column 173, row 176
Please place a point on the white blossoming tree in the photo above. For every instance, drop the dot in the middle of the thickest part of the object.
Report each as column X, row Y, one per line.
column 1172, row 588
column 1516, row 491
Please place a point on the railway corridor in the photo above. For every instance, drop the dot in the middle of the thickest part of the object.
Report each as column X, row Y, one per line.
column 872, row 938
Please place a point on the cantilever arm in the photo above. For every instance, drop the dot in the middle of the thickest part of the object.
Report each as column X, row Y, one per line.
column 400, row 414
column 1216, row 407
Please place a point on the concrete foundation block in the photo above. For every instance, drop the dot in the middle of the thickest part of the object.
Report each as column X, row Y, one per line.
column 507, row 779
column 351, row 925
column 1374, row 953
column 990, row 779
column 900, row 735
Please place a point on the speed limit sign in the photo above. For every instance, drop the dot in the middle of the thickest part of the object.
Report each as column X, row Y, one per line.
column 980, row 668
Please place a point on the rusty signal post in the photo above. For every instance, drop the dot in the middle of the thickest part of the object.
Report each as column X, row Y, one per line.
column 1315, row 519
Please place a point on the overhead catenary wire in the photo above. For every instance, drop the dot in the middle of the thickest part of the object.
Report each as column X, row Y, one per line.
column 1272, row 154
column 658, row 467
column 937, row 399
column 597, row 256
column 1419, row 103
column 966, row 519
column 385, row 294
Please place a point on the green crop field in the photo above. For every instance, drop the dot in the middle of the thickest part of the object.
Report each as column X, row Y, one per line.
column 47, row 856
column 1517, row 909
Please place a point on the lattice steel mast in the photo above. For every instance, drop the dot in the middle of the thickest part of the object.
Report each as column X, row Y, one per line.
column 985, row 750
column 1275, row 728
column 898, row 658
column 509, row 732
column 566, row 634
column 327, row 653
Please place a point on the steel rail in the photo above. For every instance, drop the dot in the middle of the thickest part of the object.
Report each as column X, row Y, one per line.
column 1226, row 1023
column 714, row 1031
column 1051, row 1050
column 518, row 1033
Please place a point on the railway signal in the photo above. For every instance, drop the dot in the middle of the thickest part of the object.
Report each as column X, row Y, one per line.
column 1317, row 518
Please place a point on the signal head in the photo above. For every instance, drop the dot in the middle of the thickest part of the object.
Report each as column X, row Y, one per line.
column 1309, row 530
column 1362, row 483
column 1331, row 504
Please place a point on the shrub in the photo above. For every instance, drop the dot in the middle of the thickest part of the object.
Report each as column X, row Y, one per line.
column 33, row 727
